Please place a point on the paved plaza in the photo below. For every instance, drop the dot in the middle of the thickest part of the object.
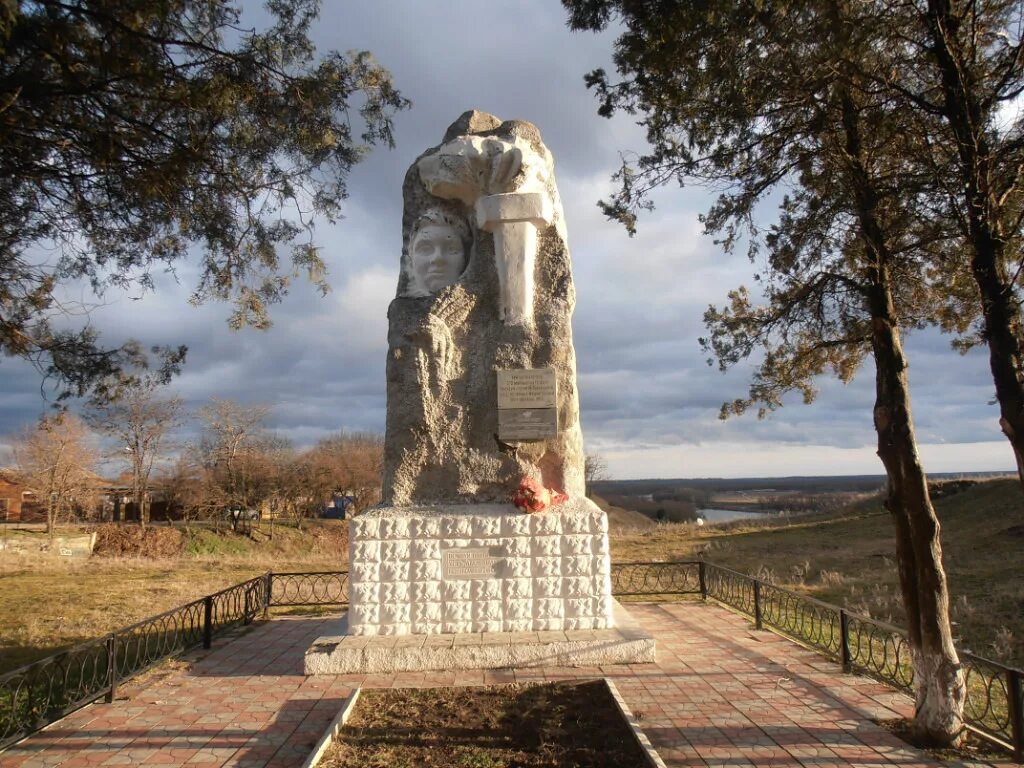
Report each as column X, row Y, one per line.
column 720, row 694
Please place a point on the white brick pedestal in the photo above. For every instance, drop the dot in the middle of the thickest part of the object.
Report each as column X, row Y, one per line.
column 452, row 569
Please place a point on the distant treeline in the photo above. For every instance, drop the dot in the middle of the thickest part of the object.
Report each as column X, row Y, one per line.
column 825, row 484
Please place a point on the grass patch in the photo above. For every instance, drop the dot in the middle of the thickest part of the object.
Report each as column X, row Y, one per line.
column 528, row 726
column 48, row 602
column 848, row 558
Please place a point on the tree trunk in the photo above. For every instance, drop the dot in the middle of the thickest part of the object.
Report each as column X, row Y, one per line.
column 51, row 519
column 938, row 678
column 967, row 120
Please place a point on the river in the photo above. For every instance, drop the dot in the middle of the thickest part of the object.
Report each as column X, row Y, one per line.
column 712, row 515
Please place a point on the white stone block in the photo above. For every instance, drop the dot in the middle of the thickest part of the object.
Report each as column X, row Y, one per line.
column 578, row 606
column 487, row 625
column 460, row 527
column 487, row 610
column 548, row 608
column 517, row 589
column 365, row 527
column 425, row 570
column 396, row 550
column 451, row 543
column 519, row 609
column 486, row 589
column 364, row 614
column 516, row 546
column 397, row 571
column 461, row 610
column 576, row 523
column 429, row 612
column 457, row 627
column 549, row 625
column 364, row 571
column 545, row 524
column 549, row 586
column 578, row 565
column 395, row 613
column 547, row 566
column 456, row 590
column 362, row 630
column 488, row 541
column 515, row 525
column 600, row 546
column 426, row 627
column 518, row 567
column 546, row 545
column 392, row 528
column 599, row 522
column 425, row 527
column 366, row 551
column 517, row 625
column 364, row 592
column 577, row 544
column 394, row 592
column 578, row 586
column 426, row 549
column 486, row 526
column 425, row 591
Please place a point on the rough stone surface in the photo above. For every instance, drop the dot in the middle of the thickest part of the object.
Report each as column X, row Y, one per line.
column 551, row 570
column 445, row 348
column 345, row 653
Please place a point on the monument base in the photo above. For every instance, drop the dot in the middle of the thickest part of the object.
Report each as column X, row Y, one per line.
column 342, row 654
column 472, row 568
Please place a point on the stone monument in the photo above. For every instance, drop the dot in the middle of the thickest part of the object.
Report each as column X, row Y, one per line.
column 481, row 398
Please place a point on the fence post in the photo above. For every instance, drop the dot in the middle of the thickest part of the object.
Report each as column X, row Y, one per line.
column 247, row 606
column 208, row 622
column 269, row 591
column 702, row 576
column 111, row 668
column 1014, row 693
column 844, row 640
column 758, row 623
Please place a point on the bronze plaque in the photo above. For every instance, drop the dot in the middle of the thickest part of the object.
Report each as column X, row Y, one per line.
column 472, row 562
column 527, row 404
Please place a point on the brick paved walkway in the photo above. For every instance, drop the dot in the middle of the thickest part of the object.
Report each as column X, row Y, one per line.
column 721, row 694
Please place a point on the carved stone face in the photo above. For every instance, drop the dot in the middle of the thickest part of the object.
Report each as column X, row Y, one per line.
column 438, row 257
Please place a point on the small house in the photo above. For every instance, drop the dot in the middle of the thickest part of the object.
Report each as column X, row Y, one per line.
column 13, row 496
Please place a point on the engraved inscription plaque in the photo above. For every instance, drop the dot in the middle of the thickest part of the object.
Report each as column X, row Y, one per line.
column 472, row 562
column 527, row 388
column 527, row 401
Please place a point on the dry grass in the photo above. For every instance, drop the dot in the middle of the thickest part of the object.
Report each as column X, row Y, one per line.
column 529, row 726
column 48, row 602
column 849, row 558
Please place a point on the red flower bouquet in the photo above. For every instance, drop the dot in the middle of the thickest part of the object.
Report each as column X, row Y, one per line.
column 531, row 496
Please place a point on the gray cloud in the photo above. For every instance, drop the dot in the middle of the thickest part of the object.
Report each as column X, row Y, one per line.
column 648, row 398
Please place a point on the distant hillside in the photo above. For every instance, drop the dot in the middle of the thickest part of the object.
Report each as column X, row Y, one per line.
column 622, row 518
column 803, row 484
column 848, row 557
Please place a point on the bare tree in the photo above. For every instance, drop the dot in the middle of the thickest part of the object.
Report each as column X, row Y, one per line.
column 349, row 463
column 55, row 460
column 594, row 468
column 139, row 420
column 227, row 450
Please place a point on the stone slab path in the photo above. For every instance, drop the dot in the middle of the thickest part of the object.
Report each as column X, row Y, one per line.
column 721, row 694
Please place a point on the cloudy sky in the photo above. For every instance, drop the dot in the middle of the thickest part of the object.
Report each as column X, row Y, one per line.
column 649, row 400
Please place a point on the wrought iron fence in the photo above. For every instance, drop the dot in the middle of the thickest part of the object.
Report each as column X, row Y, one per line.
column 40, row 693
column 995, row 700
column 632, row 579
column 326, row 588
column 36, row 695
